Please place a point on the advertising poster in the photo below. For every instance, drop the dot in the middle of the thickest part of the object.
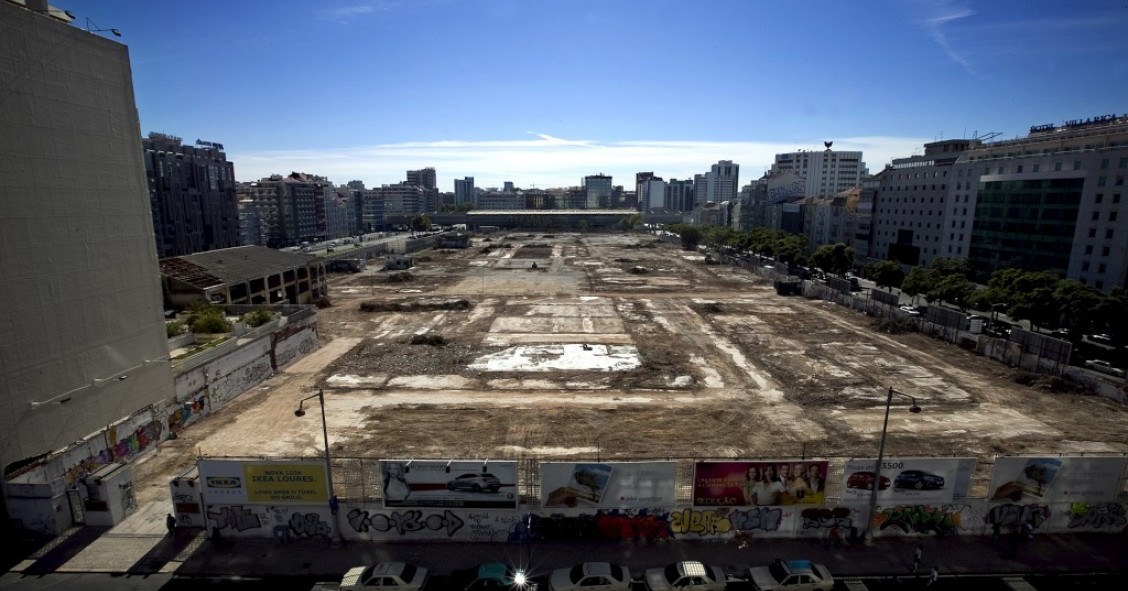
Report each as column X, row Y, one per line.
column 608, row 484
column 1066, row 479
column 263, row 483
column 778, row 482
column 911, row 481
column 471, row 484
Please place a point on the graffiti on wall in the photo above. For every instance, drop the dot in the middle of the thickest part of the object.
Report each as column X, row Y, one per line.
column 187, row 413
column 309, row 525
column 290, row 349
column 920, row 519
column 405, row 522
column 234, row 517
column 1012, row 515
column 1098, row 516
column 87, row 465
column 138, row 441
column 826, row 518
column 227, row 387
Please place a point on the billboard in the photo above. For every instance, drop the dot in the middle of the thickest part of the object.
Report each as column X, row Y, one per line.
column 1069, row 479
column 608, row 484
column 911, row 481
column 263, row 482
column 778, row 482
column 471, row 484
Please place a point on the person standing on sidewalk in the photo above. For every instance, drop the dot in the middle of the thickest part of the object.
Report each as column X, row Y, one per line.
column 918, row 554
column 170, row 523
column 933, row 576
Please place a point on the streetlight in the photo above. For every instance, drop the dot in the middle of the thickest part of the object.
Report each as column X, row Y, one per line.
column 320, row 396
column 881, row 454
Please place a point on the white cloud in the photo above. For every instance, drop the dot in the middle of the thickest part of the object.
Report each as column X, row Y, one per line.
column 934, row 15
column 548, row 161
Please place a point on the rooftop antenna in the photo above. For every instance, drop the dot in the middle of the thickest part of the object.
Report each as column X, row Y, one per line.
column 90, row 23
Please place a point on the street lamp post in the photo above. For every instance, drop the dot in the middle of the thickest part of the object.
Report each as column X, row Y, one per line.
column 881, row 454
column 300, row 412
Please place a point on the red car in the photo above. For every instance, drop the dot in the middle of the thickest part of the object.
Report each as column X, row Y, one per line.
column 864, row 480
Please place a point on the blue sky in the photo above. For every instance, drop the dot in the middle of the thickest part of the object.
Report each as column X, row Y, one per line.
column 544, row 92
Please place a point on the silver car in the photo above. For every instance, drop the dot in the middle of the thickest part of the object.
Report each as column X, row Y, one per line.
column 688, row 575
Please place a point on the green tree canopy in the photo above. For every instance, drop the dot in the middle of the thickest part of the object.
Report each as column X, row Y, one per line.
column 887, row 274
column 834, row 258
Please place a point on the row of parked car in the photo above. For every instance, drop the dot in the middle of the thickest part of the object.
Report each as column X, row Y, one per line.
column 687, row 575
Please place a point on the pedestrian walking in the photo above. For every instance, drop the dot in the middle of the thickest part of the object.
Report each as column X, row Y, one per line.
column 1028, row 530
column 933, row 576
column 833, row 538
column 918, row 554
column 170, row 523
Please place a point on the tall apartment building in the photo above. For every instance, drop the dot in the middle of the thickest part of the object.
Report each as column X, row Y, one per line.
column 911, row 201
column 721, row 183
column 464, row 192
column 402, row 199
column 425, row 178
column 826, row 173
column 652, row 195
column 679, row 195
column 598, row 187
column 295, row 206
column 1049, row 201
column 82, row 335
column 191, row 194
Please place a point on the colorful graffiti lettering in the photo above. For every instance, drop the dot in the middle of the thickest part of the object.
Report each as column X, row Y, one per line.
column 758, row 519
column 234, row 517
column 703, row 523
column 1011, row 515
column 309, row 525
column 88, row 465
column 938, row 519
column 825, row 518
column 1097, row 515
column 603, row 525
column 404, row 522
column 138, row 441
column 188, row 413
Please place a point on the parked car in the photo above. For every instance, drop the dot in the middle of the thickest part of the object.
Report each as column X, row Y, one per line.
column 1103, row 339
column 791, row 574
column 498, row 576
column 688, row 575
column 590, row 576
column 385, row 575
column 918, row 479
column 911, row 311
column 864, row 480
column 1104, row 367
column 475, row 483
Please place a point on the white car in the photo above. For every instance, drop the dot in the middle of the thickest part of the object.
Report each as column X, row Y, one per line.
column 591, row 576
column 791, row 574
column 1104, row 367
column 911, row 311
column 688, row 575
column 385, row 575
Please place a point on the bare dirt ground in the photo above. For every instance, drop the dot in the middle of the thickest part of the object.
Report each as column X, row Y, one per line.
column 726, row 368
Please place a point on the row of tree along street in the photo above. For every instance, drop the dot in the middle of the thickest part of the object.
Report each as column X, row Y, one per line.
column 1045, row 299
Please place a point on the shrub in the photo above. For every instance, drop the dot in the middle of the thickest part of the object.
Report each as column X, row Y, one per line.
column 208, row 319
column 174, row 328
column 435, row 340
column 257, row 318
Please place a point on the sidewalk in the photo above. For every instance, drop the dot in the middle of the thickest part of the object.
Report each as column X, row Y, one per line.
column 189, row 554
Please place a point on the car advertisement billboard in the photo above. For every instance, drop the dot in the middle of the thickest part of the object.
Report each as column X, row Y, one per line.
column 263, row 482
column 608, row 484
column 1068, row 479
column 914, row 481
column 471, row 484
column 777, row 482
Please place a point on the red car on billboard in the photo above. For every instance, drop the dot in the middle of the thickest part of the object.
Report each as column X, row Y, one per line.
column 864, row 480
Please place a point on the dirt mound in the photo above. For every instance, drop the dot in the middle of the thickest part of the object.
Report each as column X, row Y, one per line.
column 415, row 305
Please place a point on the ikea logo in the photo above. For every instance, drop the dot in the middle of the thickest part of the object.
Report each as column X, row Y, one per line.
column 223, row 482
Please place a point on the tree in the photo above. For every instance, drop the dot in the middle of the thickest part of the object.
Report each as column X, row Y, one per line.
column 834, row 258
column 421, row 223
column 208, row 319
column 954, row 289
column 887, row 274
column 690, row 237
column 916, row 283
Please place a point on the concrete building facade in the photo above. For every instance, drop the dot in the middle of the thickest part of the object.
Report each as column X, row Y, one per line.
column 598, row 188
column 82, row 335
column 825, row 173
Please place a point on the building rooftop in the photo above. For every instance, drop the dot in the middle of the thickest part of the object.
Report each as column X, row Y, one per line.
column 230, row 265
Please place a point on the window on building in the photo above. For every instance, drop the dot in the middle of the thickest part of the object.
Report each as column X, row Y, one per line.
column 1057, row 165
column 1037, row 167
column 1105, row 250
column 1019, row 168
column 1092, row 232
column 1112, row 216
column 1098, row 284
column 1096, row 216
column 1119, row 180
column 1123, row 163
column 1098, row 198
column 1109, row 234
column 1116, row 197
column 1076, row 165
column 1102, row 181
column 1104, row 163
column 1088, row 249
column 1101, row 268
column 1084, row 265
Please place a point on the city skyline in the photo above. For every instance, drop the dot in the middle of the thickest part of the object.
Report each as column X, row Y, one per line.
column 512, row 91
